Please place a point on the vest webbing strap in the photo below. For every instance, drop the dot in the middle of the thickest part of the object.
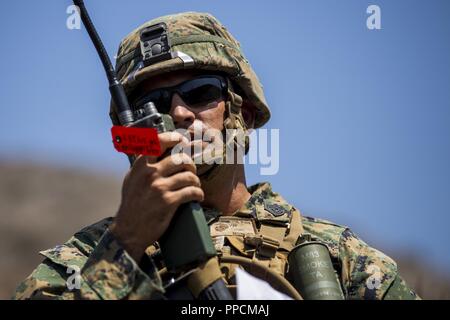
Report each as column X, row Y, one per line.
column 296, row 229
column 287, row 242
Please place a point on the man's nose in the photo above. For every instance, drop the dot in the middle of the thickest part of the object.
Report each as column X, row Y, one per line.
column 182, row 116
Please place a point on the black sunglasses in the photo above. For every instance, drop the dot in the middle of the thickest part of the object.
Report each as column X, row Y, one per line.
column 196, row 92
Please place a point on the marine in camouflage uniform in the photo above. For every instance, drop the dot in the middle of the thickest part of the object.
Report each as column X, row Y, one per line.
column 94, row 265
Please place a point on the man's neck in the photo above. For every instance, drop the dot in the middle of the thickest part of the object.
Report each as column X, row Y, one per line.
column 226, row 191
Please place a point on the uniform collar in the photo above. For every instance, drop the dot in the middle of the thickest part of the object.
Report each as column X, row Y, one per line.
column 264, row 205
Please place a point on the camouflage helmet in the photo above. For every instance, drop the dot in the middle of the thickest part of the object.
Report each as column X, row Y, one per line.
column 195, row 41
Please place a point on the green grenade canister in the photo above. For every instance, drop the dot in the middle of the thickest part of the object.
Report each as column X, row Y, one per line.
column 312, row 272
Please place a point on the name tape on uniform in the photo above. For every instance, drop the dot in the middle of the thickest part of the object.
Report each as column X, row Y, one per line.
column 233, row 226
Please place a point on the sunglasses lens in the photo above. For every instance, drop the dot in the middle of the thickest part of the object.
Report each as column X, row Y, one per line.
column 158, row 97
column 201, row 91
column 196, row 93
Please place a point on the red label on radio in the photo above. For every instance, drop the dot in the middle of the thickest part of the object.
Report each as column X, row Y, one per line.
column 131, row 140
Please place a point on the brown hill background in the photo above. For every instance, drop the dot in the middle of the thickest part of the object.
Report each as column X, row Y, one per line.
column 41, row 207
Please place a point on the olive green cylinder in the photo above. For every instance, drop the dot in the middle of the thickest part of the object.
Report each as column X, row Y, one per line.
column 312, row 272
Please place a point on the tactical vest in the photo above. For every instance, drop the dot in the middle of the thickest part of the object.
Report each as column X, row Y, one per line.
column 265, row 235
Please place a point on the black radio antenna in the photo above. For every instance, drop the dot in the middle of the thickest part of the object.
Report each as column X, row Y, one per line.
column 116, row 89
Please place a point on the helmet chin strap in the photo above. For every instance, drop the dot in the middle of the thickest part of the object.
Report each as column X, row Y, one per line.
column 234, row 123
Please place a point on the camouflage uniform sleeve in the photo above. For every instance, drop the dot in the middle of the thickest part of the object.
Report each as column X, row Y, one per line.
column 399, row 290
column 107, row 273
column 368, row 273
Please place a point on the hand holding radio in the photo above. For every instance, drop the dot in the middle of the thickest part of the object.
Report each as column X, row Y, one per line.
column 152, row 191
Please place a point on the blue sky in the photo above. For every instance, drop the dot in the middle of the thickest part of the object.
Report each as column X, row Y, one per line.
column 364, row 115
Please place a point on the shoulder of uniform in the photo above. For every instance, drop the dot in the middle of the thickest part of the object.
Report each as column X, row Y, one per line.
column 325, row 231
column 321, row 223
column 366, row 272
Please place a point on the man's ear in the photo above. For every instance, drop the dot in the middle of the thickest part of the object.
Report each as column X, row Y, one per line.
column 249, row 114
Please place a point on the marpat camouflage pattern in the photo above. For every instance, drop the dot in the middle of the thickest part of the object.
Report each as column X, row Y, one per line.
column 108, row 272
